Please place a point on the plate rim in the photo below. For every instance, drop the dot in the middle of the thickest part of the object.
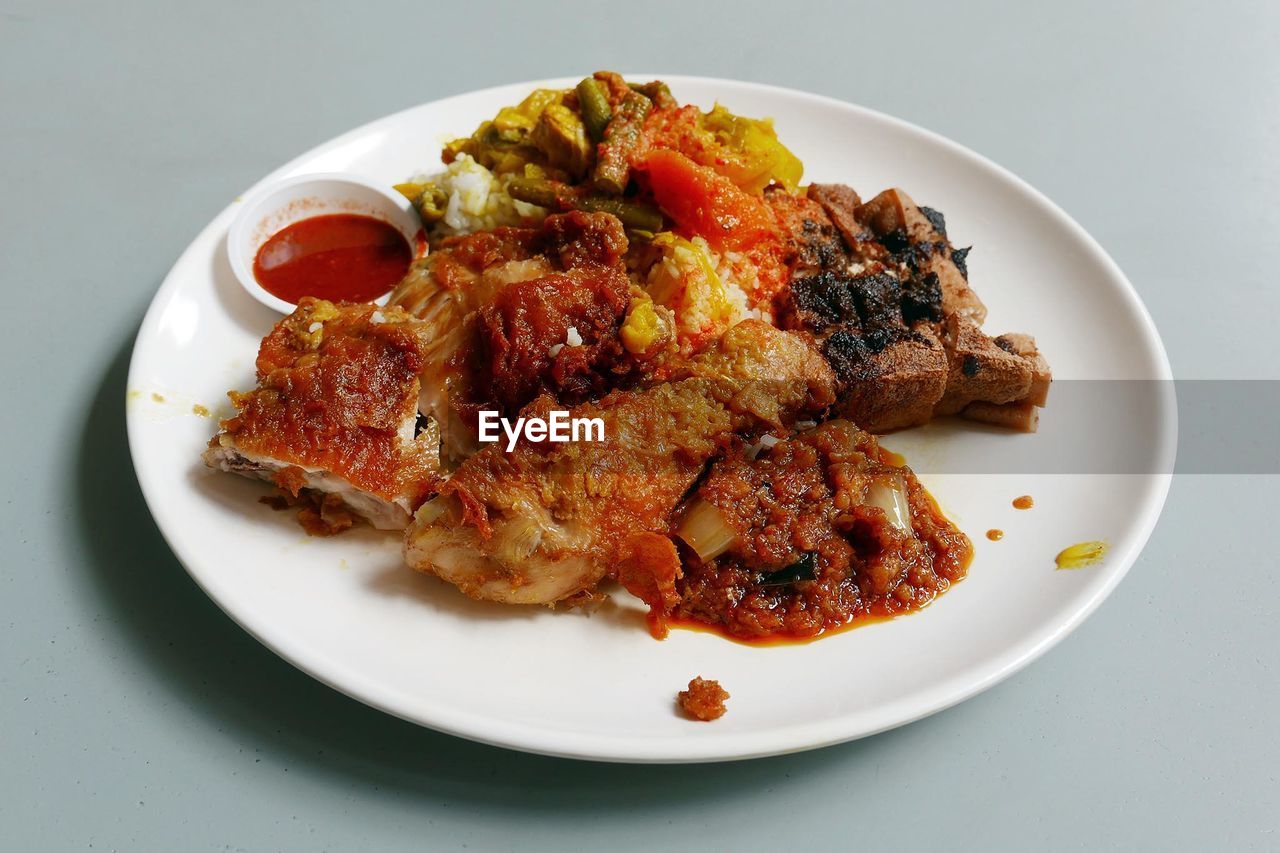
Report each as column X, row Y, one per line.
column 729, row 746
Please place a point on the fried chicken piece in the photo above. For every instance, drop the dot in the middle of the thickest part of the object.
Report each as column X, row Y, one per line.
column 556, row 334
column 335, row 411
column 548, row 520
column 493, row 347
column 442, row 290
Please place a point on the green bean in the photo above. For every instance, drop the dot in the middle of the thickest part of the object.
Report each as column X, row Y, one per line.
column 656, row 91
column 613, row 166
column 641, row 217
column 594, row 104
column 557, row 196
column 534, row 191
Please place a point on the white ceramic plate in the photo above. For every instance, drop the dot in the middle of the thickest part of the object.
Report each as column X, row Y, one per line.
column 349, row 613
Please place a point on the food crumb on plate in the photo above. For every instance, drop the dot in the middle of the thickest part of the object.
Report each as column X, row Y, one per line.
column 1081, row 554
column 704, row 700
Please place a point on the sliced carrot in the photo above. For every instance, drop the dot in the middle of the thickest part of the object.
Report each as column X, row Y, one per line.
column 704, row 203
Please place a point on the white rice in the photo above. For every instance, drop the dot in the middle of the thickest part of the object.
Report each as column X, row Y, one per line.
column 478, row 199
column 739, row 277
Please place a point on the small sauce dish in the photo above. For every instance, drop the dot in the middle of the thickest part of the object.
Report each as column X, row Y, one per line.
column 335, row 207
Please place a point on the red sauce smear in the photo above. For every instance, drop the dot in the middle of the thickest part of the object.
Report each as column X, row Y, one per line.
column 1024, row 502
column 338, row 257
column 781, row 638
column 995, row 534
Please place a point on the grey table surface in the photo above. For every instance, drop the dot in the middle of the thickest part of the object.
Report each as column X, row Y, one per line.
column 134, row 715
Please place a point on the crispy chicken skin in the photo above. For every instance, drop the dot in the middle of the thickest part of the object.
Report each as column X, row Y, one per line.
column 443, row 290
column 335, row 411
column 546, row 521
column 518, row 348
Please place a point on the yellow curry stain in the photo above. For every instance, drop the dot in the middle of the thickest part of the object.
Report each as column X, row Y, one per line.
column 200, row 410
column 1081, row 554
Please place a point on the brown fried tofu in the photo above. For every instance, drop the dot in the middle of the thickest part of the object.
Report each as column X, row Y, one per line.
column 1041, row 376
column 893, row 214
column 811, row 241
column 978, row 369
column 1023, row 417
column 900, row 325
column 957, row 296
column 894, row 211
column 840, row 203
column 896, row 387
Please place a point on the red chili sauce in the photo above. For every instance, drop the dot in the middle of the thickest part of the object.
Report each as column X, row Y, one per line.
column 339, row 257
